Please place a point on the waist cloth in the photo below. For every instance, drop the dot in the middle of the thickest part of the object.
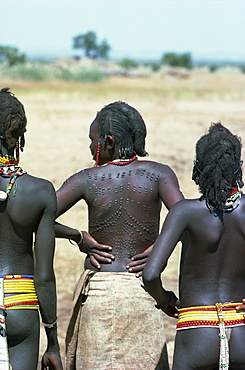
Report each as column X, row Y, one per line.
column 23, row 290
column 221, row 316
column 114, row 324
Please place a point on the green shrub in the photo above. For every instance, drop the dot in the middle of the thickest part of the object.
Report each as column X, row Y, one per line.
column 213, row 68
column 155, row 66
column 46, row 72
column 177, row 60
column 80, row 75
column 242, row 68
column 30, row 72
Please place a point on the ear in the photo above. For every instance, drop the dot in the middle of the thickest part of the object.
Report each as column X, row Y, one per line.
column 110, row 142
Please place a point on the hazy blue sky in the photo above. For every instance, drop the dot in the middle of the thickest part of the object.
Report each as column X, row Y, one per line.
column 133, row 28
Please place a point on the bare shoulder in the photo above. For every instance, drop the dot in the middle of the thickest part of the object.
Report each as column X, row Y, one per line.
column 76, row 177
column 152, row 164
column 187, row 206
column 143, row 165
column 37, row 182
column 161, row 168
column 37, row 190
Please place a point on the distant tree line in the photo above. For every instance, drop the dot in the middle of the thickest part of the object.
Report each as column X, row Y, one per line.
column 88, row 43
column 89, row 46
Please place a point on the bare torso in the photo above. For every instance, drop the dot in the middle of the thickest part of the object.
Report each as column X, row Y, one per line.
column 124, row 204
column 19, row 216
column 31, row 210
column 212, row 263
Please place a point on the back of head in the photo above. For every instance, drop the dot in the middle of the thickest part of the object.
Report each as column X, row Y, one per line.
column 126, row 126
column 12, row 120
column 217, row 168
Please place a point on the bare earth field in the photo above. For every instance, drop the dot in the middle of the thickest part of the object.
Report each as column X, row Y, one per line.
column 176, row 111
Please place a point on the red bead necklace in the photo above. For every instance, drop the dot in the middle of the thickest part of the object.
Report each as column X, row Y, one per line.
column 122, row 162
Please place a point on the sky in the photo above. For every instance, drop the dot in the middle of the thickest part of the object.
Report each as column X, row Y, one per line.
column 136, row 29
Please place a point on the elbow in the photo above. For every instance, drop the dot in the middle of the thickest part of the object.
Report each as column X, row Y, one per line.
column 152, row 271
column 149, row 275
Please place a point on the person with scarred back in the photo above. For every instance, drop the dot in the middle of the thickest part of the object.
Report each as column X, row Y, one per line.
column 115, row 323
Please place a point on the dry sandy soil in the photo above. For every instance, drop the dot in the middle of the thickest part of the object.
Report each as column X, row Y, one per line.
column 176, row 111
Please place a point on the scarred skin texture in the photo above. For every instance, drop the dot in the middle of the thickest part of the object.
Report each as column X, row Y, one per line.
column 124, row 204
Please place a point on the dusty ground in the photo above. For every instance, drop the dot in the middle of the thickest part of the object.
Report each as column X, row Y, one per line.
column 177, row 113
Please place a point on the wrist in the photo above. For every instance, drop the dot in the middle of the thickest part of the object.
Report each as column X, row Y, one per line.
column 78, row 238
column 80, row 242
column 53, row 343
column 168, row 300
column 52, row 337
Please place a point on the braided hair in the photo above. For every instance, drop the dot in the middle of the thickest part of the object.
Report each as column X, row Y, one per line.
column 217, row 168
column 12, row 119
column 126, row 126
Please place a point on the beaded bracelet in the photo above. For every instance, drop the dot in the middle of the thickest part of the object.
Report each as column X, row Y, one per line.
column 81, row 238
column 49, row 326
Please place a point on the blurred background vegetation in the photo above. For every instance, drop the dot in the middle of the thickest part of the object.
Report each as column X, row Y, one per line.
column 91, row 63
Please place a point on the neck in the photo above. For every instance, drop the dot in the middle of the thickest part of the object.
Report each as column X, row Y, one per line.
column 122, row 162
column 8, row 160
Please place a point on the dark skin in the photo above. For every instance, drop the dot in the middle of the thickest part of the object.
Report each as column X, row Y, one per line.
column 211, row 270
column 31, row 211
column 124, row 204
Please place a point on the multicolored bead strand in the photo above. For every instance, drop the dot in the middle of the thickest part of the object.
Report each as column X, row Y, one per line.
column 97, row 158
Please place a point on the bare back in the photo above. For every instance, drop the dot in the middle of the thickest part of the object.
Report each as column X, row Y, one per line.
column 212, row 262
column 124, row 204
column 20, row 216
column 214, row 257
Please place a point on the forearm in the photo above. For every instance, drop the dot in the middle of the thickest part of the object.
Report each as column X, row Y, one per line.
column 46, row 293
column 156, row 290
column 66, row 232
column 83, row 239
column 52, row 338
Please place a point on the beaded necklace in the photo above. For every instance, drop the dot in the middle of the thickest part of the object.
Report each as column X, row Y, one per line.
column 233, row 201
column 12, row 171
column 8, row 159
column 7, row 171
column 122, row 162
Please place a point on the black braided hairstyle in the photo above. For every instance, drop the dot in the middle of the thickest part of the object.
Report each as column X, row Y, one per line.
column 12, row 118
column 126, row 126
column 217, row 167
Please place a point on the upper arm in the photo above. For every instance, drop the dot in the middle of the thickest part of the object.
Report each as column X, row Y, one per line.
column 168, row 188
column 44, row 235
column 70, row 193
column 175, row 224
